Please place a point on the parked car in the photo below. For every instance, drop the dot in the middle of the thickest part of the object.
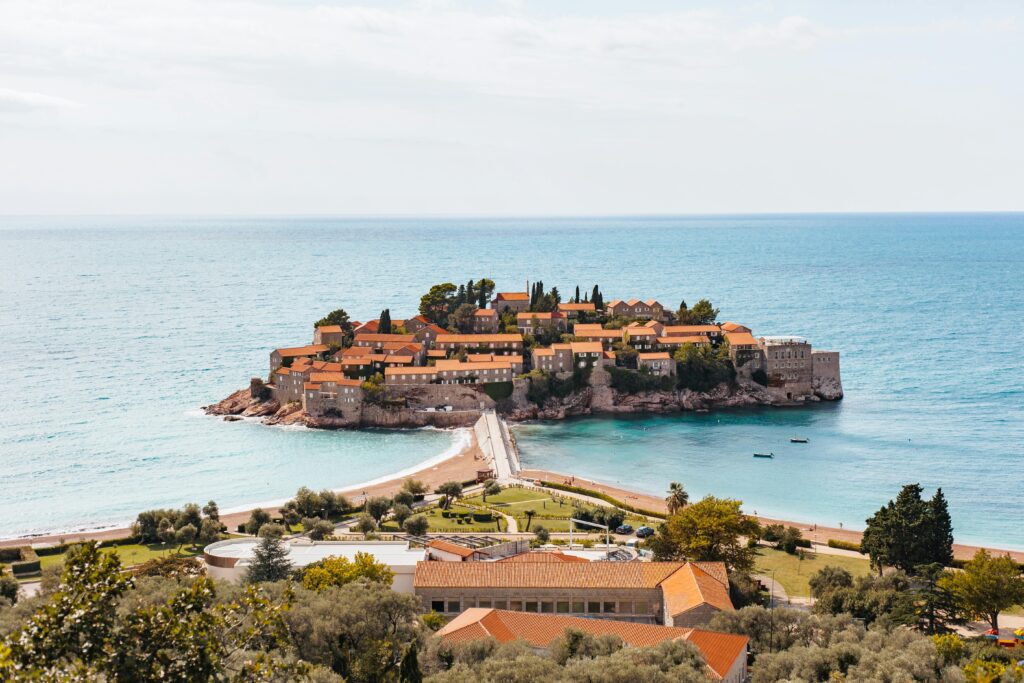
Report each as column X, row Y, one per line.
column 644, row 532
column 624, row 529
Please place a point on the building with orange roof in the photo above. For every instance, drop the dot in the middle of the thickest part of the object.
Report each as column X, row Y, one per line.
column 427, row 334
column 554, row 358
column 485, row 321
column 586, row 353
column 416, row 323
column 458, row 372
column 329, row 334
column 332, row 393
column 481, row 343
column 635, row 308
column 513, row 301
column 534, row 322
column 445, row 551
column 410, row 375
column 734, row 327
column 377, row 341
column 659, row 363
column 572, row 310
column 712, row 332
column 279, row 357
column 673, row 343
column 724, row 654
column 669, row 593
column 543, row 556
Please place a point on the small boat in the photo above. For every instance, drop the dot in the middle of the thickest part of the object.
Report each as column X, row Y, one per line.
column 799, row 439
column 764, row 455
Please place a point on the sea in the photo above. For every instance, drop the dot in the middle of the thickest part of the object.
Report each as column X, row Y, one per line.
column 114, row 331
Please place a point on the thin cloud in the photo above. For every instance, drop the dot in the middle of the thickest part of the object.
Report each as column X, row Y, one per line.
column 19, row 100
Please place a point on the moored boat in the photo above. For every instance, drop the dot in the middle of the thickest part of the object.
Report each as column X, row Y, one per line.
column 799, row 439
column 764, row 455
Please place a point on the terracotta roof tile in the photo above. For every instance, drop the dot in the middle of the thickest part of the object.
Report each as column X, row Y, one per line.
column 449, row 547
column 576, row 307
column 310, row 350
column 544, row 575
column 512, row 296
column 740, row 339
column 478, row 338
column 548, row 557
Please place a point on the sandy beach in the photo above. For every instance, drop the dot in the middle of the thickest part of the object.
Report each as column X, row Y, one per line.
column 815, row 532
column 459, row 467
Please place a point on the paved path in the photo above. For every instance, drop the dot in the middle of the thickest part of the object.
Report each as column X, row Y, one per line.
column 493, row 438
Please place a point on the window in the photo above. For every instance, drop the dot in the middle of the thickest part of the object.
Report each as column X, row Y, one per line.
column 454, row 606
column 609, row 608
column 577, row 607
column 562, row 606
column 547, row 606
column 437, row 605
column 500, row 604
column 531, row 606
column 641, row 608
column 625, row 608
column 515, row 605
column 483, row 603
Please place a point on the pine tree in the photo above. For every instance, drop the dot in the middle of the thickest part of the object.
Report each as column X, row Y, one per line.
column 269, row 561
column 384, row 327
column 910, row 532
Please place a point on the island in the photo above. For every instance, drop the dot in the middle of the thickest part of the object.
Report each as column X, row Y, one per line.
column 529, row 355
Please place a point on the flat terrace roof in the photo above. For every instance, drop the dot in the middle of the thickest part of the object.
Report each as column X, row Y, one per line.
column 302, row 553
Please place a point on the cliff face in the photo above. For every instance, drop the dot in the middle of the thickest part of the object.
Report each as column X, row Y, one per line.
column 827, row 388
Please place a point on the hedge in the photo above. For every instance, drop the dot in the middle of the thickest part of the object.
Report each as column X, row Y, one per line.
column 603, row 496
column 12, row 554
column 803, row 543
column 28, row 564
column 844, row 545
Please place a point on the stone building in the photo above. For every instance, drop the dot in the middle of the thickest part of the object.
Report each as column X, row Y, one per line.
column 668, row 593
column 331, row 393
column 513, row 301
column 555, row 358
column 660, row 363
column 789, row 368
column 499, row 344
column 280, row 357
column 532, row 323
column 485, row 321
column 394, row 375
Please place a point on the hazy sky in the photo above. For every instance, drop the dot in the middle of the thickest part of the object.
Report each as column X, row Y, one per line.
column 532, row 107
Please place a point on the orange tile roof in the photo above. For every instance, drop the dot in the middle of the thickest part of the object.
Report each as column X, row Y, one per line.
column 397, row 359
column 599, row 334
column 512, row 296
column 529, row 315
column 586, row 327
column 681, row 330
column 692, row 587
column 586, row 347
column 740, row 339
column 356, row 351
column 577, row 307
column 411, row 347
column 449, row 547
column 310, row 350
column 720, row 650
column 437, row 353
column 478, row 338
column 734, row 327
column 485, row 313
column 544, row 575
column 398, row 370
column 436, row 329
column 406, row 338
column 350, row 362
column 479, row 357
column 458, row 366
column 334, row 378
column 283, row 371
column 657, row 355
column 540, row 556
column 641, row 332
column 330, row 328
column 653, row 302
column 311, row 386
column 543, row 352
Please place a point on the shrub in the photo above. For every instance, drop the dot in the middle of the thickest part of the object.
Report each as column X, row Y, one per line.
column 498, row 390
column 637, row 381
column 603, row 496
column 844, row 545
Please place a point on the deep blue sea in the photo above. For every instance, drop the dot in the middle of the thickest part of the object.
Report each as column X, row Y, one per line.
column 114, row 331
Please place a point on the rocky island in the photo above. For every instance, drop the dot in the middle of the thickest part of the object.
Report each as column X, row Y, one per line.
column 529, row 355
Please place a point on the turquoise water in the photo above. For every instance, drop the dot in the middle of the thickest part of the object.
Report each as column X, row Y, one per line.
column 115, row 330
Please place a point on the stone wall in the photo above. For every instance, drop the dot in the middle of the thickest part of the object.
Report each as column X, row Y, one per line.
column 826, row 380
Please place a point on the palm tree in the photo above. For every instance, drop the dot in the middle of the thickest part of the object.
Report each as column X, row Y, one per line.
column 529, row 518
column 677, row 497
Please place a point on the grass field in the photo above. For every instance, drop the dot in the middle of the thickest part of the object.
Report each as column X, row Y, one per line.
column 515, row 502
column 793, row 573
column 130, row 554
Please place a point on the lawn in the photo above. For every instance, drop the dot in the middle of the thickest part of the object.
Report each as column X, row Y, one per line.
column 793, row 573
column 130, row 554
column 460, row 519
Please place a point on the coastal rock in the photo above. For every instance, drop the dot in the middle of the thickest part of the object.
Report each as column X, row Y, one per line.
column 827, row 388
column 242, row 403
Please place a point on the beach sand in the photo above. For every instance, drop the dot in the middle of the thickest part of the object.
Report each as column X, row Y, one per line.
column 816, row 533
column 460, row 467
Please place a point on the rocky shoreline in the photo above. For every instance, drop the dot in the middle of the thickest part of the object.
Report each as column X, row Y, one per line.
column 597, row 398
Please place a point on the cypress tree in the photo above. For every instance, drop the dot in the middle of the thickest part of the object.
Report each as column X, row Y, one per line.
column 384, row 327
column 941, row 537
column 470, row 293
column 576, row 299
column 483, row 298
column 460, row 297
column 594, row 294
column 409, row 668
